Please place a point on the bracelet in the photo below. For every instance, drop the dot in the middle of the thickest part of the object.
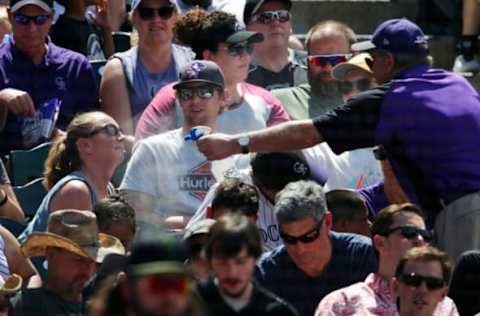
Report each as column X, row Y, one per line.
column 4, row 200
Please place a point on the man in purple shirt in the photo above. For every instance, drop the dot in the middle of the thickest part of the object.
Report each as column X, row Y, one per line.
column 39, row 80
column 428, row 120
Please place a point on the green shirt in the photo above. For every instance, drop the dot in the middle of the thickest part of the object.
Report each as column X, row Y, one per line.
column 42, row 302
column 301, row 104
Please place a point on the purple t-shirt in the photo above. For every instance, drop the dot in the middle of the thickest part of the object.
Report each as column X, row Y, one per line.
column 429, row 122
column 63, row 75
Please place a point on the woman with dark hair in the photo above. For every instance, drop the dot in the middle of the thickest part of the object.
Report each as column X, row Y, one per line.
column 79, row 167
column 465, row 284
column 216, row 36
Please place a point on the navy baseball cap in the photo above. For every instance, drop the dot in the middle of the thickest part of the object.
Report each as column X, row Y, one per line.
column 135, row 3
column 46, row 5
column 397, row 36
column 203, row 71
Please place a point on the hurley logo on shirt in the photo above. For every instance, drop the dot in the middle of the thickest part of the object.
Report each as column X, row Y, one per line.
column 198, row 181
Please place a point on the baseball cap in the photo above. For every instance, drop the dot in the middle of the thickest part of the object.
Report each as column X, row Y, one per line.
column 341, row 70
column 397, row 36
column 163, row 255
column 275, row 170
column 203, row 71
column 135, row 3
column 199, row 228
column 252, row 7
column 46, row 5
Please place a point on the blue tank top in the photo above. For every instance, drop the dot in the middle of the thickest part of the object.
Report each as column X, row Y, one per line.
column 40, row 220
column 143, row 85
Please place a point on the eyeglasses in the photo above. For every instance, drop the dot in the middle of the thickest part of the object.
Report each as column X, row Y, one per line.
column 203, row 92
column 359, row 85
column 109, row 129
column 25, row 19
column 306, row 238
column 235, row 50
column 162, row 284
column 323, row 60
column 416, row 280
column 146, row 13
column 268, row 17
column 410, row 232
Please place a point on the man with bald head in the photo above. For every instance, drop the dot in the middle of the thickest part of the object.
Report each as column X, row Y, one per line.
column 328, row 44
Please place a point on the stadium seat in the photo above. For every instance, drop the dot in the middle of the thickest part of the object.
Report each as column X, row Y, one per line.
column 98, row 68
column 13, row 226
column 121, row 41
column 27, row 165
column 30, row 196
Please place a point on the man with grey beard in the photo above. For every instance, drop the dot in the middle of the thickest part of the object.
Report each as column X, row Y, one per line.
column 328, row 44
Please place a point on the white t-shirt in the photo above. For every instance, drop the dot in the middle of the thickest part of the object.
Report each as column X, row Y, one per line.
column 172, row 170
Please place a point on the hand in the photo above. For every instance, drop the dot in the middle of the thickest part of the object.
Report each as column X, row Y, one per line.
column 218, row 146
column 101, row 17
column 18, row 102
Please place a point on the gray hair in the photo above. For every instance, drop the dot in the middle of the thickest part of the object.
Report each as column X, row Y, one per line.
column 299, row 200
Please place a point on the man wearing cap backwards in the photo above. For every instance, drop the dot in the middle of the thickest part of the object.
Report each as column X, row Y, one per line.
column 72, row 246
column 427, row 119
column 233, row 247
column 167, row 175
column 34, row 72
column 274, row 64
column 314, row 260
column 396, row 229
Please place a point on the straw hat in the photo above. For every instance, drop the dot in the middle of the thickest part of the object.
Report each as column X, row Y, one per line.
column 340, row 71
column 75, row 231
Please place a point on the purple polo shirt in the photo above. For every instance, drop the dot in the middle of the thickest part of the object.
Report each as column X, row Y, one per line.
column 64, row 75
column 429, row 122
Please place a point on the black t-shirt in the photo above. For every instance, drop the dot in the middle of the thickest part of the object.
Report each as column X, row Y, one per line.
column 42, row 302
column 80, row 36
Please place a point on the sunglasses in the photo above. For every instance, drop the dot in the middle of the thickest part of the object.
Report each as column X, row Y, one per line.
column 146, row 13
column 268, row 17
column 203, row 92
column 108, row 129
column 236, row 50
column 25, row 19
column 324, row 60
column 162, row 284
column 359, row 85
column 306, row 238
column 416, row 280
column 411, row 232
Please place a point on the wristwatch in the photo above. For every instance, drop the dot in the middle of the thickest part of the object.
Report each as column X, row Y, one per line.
column 244, row 141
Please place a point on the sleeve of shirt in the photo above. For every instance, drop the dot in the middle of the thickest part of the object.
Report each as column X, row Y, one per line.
column 277, row 111
column 140, row 174
column 353, row 125
column 159, row 116
column 85, row 88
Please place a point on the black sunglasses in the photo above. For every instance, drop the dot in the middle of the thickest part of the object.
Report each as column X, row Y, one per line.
column 109, row 129
column 239, row 49
column 410, row 232
column 415, row 280
column 149, row 13
column 267, row 17
column 203, row 92
column 306, row 238
column 359, row 85
column 25, row 19
column 324, row 60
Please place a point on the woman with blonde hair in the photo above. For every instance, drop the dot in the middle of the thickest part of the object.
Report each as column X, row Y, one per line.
column 79, row 167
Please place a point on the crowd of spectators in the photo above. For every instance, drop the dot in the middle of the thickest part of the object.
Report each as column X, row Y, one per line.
column 264, row 176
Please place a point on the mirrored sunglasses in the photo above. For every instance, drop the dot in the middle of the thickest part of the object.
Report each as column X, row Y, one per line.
column 147, row 13
column 411, row 232
column 108, row 129
column 235, row 50
column 359, row 85
column 306, row 238
column 416, row 280
column 268, row 17
column 162, row 284
column 25, row 19
column 203, row 92
column 324, row 60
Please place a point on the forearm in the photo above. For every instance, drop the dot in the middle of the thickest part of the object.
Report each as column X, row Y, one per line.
column 108, row 45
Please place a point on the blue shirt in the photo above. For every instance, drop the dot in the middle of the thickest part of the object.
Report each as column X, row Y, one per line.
column 353, row 258
column 63, row 75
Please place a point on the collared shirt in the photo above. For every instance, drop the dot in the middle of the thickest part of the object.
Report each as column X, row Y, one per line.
column 371, row 297
column 63, row 75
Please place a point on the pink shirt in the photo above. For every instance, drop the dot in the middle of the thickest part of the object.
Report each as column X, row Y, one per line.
column 371, row 297
column 258, row 110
